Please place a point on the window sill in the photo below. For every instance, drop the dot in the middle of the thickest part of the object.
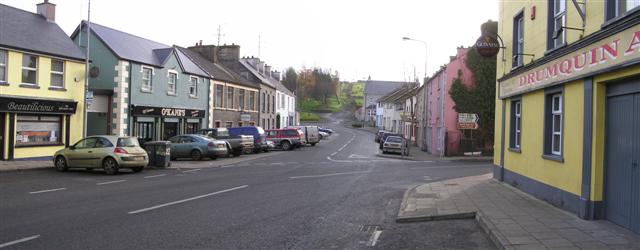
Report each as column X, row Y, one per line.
column 193, row 96
column 29, row 86
column 550, row 51
column 515, row 150
column 57, row 89
column 171, row 94
column 147, row 91
column 4, row 84
column 39, row 145
column 619, row 18
column 557, row 158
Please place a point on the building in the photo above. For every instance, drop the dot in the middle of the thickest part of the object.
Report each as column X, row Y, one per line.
column 141, row 87
column 421, row 116
column 394, row 105
column 233, row 100
column 442, row 136
column 568, row 106
column 42, row 78
column 374, row 90
column 286, row 103
column 409, row 115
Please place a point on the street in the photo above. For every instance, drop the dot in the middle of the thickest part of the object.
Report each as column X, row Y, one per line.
column 337, row 194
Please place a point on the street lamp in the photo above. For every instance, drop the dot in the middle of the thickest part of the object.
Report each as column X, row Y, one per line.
column 425, row 52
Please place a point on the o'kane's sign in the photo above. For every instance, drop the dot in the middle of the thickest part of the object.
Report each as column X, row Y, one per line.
column 167, row 112
column 621, row 48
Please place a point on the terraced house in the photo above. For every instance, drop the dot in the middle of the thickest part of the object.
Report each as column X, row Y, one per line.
column 568, row 105
column 42, row 78
column 141, row 87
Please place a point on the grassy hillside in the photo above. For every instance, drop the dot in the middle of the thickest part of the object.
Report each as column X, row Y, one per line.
column 349, row 99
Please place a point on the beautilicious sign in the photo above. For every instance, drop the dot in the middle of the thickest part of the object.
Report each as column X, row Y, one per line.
column 19, row 105
column 619, row 49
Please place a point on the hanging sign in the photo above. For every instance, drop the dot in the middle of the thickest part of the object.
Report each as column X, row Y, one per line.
column 487, row 46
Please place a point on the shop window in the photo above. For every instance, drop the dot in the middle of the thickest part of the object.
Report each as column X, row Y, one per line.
column 241, row 99
column 193, row 127
column 193, row 87
column 516, row 124
column 556, row 33
column 57, row 73
column 252, row 123
column 616, row 8
column 240, row 124
column 553, row 132
column 228, row 124
column 3, row 66
column 518, row 39
column 35, row 130
column 173, row 80
column 29, row 69
column 252, row 100
column 145, row 131
column 219, row 93
column 229, row 97
column 217, row 124
column 147, row 79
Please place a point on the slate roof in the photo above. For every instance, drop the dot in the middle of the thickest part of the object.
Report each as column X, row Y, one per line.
column 255, row 72
column 215, row 70
column 23, row 30
column 381, row 87
column 188, row 65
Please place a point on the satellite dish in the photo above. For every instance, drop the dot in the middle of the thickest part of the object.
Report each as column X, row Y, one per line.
column 94, row 72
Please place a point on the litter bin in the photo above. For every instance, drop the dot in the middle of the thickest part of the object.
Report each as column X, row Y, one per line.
column 159, row 153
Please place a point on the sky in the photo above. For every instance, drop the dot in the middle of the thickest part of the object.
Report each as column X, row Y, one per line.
column 356, row 38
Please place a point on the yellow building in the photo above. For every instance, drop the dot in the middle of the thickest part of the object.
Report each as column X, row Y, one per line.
column 568, row 105
column 42, row 78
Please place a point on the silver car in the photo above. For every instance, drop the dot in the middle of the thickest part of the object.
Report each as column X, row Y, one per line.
column 197, row 146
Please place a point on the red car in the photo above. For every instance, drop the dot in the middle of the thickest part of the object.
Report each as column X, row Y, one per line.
column 287, row 139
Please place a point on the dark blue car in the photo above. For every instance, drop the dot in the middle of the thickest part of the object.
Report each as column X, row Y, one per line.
column 259, row 137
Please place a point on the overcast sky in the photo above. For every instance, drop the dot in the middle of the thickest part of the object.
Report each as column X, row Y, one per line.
column 356, row 38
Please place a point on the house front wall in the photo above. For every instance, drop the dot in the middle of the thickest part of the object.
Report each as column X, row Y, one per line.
column 223, row 115
column 267, row 110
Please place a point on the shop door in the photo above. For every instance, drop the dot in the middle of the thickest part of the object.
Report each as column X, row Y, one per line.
column 170, row 130
column 622, row 173
column 3, row 117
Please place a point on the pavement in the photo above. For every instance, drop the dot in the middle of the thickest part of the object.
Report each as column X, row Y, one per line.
column 511, row 218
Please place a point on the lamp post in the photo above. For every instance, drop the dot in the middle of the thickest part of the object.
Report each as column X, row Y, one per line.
column 426, row 52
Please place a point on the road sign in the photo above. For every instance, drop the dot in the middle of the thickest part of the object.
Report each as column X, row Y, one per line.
column 468, row 121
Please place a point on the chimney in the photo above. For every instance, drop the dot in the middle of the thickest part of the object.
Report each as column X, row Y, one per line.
column 47, row 10
column 276, row 75
column 267, row 70
column 206, row 51
column 228, row 53
column 260, row 66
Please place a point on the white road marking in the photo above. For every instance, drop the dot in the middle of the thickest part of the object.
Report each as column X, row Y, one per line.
column 19, row 241
column 110, row 182
column 192, row 170
column 154, row 176
column 186, row 200
column 358, row 156
column 374, row 238
column 326, row 175
column 334, row 153
column 48, row 190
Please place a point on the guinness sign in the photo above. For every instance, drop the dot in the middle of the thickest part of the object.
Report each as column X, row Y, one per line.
column 487, row 46
column 167, row 112
column 18, row 105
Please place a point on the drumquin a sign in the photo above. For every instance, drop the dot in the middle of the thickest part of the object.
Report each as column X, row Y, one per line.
column 487, row 46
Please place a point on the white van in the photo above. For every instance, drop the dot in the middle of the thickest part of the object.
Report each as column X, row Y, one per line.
column 312, row 137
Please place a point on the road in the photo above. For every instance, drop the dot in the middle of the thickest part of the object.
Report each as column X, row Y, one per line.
column 337, row 194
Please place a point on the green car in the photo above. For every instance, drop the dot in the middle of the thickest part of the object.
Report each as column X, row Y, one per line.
column 103, row 151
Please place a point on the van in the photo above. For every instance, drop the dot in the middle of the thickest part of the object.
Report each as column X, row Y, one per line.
column 259, row 137
column 311, row 134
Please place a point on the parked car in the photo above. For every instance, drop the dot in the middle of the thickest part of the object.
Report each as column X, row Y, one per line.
column 326, row 130
column 237, row 144
column 323, row 135
column 197, row 146
column 286, row 139
column 392, row 144
column 384, row 136
column 378, row 135
column 311, row 135
column 259, row 137
column 108, row 152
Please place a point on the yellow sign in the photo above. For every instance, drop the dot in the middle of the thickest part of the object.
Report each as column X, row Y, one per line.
column 617, row 49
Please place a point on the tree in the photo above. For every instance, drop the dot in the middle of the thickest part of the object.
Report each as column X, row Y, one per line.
column 290, row 79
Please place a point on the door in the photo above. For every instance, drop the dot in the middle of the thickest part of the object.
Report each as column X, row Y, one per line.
column 622, row 173
column 170, row 130
column 3, row 117
column 82, row 153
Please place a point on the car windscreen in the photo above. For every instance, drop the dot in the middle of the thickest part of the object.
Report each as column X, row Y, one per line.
column 260, row 130
column 128, row 142
column 394, row 139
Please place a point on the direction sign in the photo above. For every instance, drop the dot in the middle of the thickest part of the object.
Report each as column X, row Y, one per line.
column 468, row 121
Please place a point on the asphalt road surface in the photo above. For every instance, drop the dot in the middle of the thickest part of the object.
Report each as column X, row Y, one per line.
column 337, row 194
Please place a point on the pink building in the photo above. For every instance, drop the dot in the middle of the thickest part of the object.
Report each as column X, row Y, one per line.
column 442, row 136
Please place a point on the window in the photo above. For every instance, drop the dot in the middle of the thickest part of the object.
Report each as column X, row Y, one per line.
column 193, row 127
column 518, row 39
column 516, row 124
column 252, row 100
column 147, row 75
column 57, row 73
column 228, row 124
column 145, row 131
column 273, row 103
column 240, row 124
column 557, row 22
column 173, row 80
column 35, row 130
column 229, row 97
column 217, row 124
column 262, row 107
column 241, row 99
column 219, row 89
column 29, row 69
column 268, row 103
column 86, row 143
column 616, row 8
column 553, row 124
column 3, row 66
column 282, row 98
column 193, row 88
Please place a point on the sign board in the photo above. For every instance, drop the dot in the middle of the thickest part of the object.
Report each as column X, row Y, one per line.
column 622, row 48
column 20, row 105
column 468, row 121
column 167, row 112
column 487, row 46
column 245, row 117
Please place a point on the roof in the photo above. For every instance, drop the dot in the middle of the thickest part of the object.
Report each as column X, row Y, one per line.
column 399, row 93
column 215, row 70
column 187, row 64
column 257, row 74
column 380, row 87
column 23, row 30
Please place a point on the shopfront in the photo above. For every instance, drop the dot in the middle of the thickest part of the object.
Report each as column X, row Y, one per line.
column 157, row 123
column 35, row 128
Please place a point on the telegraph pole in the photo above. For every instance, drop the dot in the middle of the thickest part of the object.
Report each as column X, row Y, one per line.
column 86, row 73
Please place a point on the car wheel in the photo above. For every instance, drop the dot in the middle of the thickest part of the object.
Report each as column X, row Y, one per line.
column 196, row 155
column 61, row 164
column 237, row 152
column 213, row 157
column 137, row 169
column 286, row 145
column 266, row 150
column 110, row 166
column 313, row 144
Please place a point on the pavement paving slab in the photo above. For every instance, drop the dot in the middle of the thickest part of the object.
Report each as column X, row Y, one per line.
column 511, row 218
